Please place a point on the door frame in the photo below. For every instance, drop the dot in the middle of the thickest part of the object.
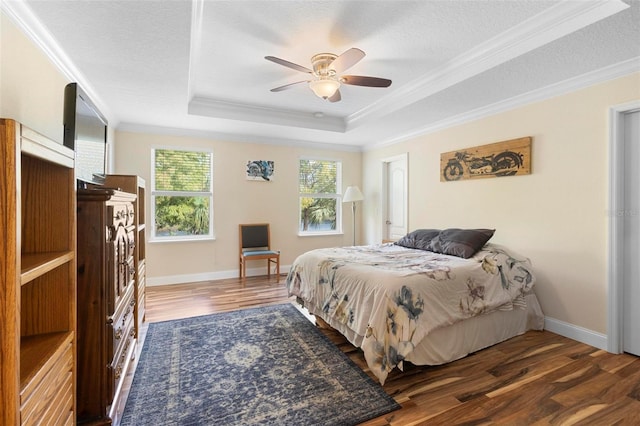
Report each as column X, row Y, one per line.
column 384, row 199
column 616, row 224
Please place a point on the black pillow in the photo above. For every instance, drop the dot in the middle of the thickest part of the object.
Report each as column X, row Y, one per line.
column 418, row 239
column 460, row 242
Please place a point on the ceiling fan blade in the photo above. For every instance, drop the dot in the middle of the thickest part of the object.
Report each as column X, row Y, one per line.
column 287, row 86
column 360, row 80
column 336, row 97
column 288, row 64
column 347, row 60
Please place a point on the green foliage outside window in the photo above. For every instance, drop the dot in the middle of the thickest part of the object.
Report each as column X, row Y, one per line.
column 178, row 174
column 182, row 216
column 318, row 182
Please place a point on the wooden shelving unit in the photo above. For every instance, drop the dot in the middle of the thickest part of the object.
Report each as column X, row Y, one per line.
column 38, row 288
column 135, row 185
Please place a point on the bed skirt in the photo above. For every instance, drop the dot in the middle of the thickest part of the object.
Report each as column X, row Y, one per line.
column 456, row 341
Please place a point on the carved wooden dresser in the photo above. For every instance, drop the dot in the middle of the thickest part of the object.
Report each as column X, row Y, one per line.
column 106, row 303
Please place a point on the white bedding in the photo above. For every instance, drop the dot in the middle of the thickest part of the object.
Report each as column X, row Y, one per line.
column 403, row 304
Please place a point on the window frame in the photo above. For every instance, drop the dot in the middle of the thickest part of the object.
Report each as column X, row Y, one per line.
column 337, row 196
column 153, row 237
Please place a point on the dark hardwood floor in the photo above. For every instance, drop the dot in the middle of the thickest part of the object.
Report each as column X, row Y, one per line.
column 539, row 378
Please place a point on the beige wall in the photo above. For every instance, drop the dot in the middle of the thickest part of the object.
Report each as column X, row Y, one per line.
column 31, row 87
column 236, row 200
column 557, row 216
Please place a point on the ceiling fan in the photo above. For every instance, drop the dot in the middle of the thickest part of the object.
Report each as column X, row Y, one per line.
column 325, row 77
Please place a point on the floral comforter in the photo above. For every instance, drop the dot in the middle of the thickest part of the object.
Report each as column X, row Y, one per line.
column 394, row 296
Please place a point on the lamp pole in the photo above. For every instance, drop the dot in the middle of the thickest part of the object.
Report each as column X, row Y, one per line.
column 351, row 195
column 353, row 209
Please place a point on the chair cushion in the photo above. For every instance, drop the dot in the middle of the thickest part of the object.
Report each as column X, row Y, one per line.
column 260, row 252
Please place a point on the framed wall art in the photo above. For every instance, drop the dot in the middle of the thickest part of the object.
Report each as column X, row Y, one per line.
column 507, row 158
column 260, row 170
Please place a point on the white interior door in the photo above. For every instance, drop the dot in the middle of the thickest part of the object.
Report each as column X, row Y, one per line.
column 396, row 198
column 631, row 245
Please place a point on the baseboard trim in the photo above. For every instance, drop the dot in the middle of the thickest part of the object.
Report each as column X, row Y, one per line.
column 208, row 276
column 571, row 331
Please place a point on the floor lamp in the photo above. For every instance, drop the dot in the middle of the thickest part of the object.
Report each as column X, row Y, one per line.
column 351, row 195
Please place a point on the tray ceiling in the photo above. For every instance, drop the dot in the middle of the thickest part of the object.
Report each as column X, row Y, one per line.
column 198, row 67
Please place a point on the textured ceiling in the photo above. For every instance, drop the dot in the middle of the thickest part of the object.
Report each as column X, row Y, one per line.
column 198, row 67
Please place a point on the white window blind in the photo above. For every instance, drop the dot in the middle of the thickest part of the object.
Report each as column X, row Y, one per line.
column 182, row 195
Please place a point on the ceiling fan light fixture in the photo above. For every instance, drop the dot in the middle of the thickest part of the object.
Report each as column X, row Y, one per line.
column 324, row 88
column 326, row 77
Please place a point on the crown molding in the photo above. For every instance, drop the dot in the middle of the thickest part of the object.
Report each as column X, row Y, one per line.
column 21, row 15
column 233, row 137
column 602, row 75
column 551, row 24
column 237, row 111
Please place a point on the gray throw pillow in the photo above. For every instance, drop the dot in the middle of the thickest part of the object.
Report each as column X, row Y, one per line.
column 418, row 239
column 460, row 242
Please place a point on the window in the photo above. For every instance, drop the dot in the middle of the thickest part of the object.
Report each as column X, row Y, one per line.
column 182, row 195
column 320, row 207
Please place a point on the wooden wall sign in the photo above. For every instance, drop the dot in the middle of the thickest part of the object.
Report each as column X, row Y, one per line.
column 508, row 158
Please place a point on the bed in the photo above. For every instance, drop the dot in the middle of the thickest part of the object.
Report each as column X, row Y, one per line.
column 433, row 297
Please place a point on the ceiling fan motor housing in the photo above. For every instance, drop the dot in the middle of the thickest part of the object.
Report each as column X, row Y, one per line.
column 326, row 84
column 321, row 63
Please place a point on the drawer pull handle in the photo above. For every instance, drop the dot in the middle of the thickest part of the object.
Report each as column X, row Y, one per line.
column 126, row 314
column 123, row 357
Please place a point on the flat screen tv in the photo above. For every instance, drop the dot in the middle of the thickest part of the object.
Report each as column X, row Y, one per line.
column 85, row 131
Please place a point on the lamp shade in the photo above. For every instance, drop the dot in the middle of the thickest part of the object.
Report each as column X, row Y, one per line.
column 352, row 194
column 324, row 88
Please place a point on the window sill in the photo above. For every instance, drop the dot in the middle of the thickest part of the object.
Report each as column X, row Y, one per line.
column 181, row 239
column 319, row 234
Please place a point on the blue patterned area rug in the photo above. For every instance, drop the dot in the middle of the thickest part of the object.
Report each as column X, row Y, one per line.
column 257, row 366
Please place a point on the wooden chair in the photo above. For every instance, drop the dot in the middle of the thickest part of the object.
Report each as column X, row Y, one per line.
column 255, row 244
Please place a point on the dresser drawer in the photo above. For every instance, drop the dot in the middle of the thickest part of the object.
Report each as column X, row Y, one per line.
column 117, row 325
column 124, row 342
column 117, row 369
column 124, row 364
column 121, row 332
